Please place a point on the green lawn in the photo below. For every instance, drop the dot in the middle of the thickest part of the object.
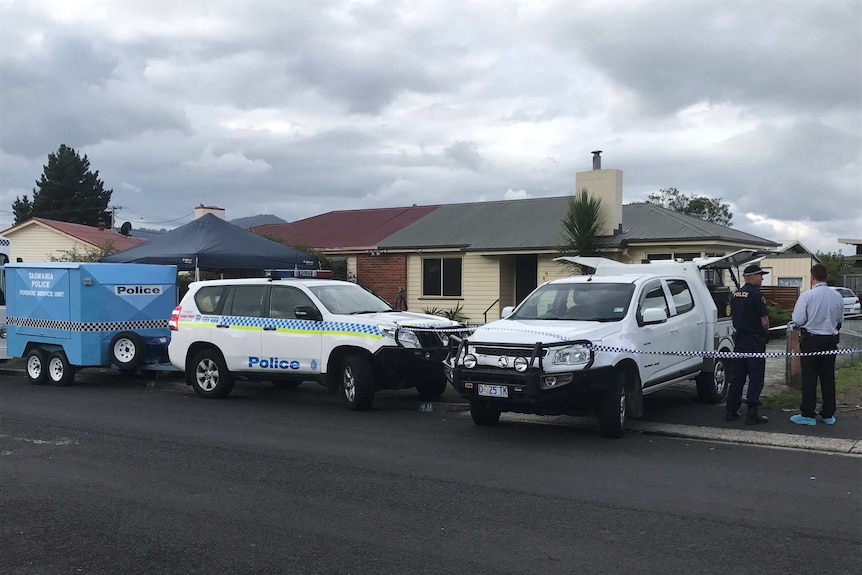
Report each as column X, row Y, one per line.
column 848, row 389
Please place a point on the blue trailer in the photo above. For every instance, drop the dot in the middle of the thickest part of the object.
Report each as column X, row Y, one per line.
column 66, row 315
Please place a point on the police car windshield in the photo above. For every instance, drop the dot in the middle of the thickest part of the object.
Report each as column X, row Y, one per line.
column 577, row 302
column 349, row 299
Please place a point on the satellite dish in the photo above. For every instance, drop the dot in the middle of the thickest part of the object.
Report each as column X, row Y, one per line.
column 126, row 228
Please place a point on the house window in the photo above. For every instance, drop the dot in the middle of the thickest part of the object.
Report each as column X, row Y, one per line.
column 441, row 277
column 653, row 257
column 790, row 282
column 686, row 256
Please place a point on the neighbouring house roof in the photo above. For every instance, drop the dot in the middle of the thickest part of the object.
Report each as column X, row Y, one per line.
column 536, row 223
column 792, row 247
column 92, row 236
column 347, row 229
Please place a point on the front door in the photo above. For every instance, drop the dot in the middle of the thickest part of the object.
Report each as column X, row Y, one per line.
column 526, row 275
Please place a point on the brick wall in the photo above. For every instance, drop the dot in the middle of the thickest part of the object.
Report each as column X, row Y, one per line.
column 382, row 274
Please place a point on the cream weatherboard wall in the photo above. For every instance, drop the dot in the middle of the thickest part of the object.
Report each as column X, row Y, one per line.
column 789, row 269
column 38, row 244
column 480, row 284
column 486, row 278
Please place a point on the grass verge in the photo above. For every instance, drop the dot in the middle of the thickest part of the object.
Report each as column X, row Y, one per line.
column 848, row 390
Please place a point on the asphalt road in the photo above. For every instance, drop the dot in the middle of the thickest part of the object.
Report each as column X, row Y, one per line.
column 113, row 476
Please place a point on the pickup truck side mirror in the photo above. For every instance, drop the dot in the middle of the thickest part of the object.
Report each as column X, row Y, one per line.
column 307, row 312
column 507, row 311
column 653, row 315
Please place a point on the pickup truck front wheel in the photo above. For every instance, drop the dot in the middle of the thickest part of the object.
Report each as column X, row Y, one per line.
column 484, row 416
column 612, row 407
column 712, row 386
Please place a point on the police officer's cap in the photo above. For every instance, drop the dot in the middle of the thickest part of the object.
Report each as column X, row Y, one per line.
column 754, row 270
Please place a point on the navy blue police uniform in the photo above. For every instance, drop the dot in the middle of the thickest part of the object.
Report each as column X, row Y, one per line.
column 747, row 307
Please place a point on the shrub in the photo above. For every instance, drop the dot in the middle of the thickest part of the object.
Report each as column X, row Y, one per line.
column 455, row 314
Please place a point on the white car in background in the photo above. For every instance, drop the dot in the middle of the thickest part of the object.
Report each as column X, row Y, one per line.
column 851, row 301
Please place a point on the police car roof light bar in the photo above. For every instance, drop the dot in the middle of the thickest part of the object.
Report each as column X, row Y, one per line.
column 276, row 274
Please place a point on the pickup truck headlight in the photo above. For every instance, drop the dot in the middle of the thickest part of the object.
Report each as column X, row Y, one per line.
column 407, row 338
column 573, row 355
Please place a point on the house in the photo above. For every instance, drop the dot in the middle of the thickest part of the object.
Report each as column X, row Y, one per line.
column 40, row 239
column 351, row 237
column 790, row 265
column 484, row 256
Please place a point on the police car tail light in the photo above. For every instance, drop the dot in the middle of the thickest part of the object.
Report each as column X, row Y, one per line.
column 174, row 323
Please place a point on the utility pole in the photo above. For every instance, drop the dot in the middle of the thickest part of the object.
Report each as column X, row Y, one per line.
column 114, row 215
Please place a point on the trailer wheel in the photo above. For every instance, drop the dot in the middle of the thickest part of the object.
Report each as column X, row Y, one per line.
column 357, row 383
column 128, row 351
column 60, row 371
column 209, row 375
column 36, row 362
column 712, row 386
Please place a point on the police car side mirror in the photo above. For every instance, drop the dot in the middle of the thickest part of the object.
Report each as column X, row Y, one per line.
column 307, row 312
column 653, row 315
column 507, row 311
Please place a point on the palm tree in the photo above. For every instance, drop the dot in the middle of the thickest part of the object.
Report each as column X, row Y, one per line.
column 581, row 226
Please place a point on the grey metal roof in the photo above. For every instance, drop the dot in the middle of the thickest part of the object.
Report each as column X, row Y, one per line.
column 536, row 223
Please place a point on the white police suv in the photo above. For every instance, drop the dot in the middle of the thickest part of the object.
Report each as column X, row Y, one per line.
column 293, row 329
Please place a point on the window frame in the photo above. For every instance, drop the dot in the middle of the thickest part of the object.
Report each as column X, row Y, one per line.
column 442, row 284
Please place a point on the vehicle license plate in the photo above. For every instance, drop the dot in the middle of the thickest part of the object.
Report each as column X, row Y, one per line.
column 493, row 390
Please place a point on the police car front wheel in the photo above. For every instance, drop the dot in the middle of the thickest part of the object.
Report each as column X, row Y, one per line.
column 357, row 382
column 209, row 376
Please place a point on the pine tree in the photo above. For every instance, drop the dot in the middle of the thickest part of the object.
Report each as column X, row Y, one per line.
column 68, row 191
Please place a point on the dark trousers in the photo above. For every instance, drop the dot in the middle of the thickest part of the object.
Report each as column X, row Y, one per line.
column 814, row 367
column 752, row 368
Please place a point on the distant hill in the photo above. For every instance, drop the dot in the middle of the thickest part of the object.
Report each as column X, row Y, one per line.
column 258, row 220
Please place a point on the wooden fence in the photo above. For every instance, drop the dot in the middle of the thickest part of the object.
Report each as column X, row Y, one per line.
column 782, row 296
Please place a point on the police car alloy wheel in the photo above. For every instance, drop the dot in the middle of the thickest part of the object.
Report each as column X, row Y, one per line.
column 712, row 386
column 357, row 382
column 36, row 363
column 209, row 375
column 60, row 371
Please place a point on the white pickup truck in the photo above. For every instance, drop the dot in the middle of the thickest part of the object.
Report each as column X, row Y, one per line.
column 589, row 342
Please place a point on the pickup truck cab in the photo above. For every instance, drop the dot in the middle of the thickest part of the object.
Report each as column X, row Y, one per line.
column 297, row 326
column 598, row 342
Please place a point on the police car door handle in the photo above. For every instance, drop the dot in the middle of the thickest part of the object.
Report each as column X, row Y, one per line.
column 269, row 328
column 222, row 325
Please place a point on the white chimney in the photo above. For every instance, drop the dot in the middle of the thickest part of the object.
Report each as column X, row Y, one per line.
column 202, row 210
column 607, row 185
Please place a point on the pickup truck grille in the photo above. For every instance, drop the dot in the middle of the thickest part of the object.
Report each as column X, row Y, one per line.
column 510, row 351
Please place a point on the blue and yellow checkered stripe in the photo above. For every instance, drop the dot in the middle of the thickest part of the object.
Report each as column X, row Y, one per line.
column 288, row 325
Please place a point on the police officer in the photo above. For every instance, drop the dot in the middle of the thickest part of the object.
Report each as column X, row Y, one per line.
column 751, row 322
column 818, row 313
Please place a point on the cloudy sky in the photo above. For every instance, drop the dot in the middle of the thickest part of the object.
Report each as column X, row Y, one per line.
column 296, row 108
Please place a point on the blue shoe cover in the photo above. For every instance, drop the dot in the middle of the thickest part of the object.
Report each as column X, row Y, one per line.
column 802, row 420
column 828, row 420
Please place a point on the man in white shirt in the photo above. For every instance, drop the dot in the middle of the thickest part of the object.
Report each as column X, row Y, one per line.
column 818, row 313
